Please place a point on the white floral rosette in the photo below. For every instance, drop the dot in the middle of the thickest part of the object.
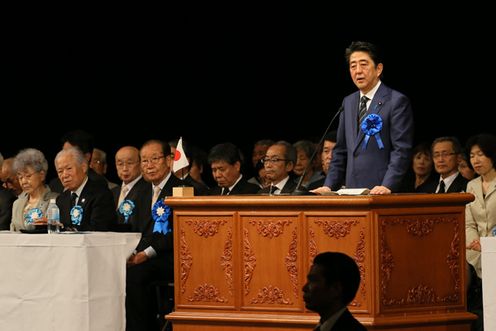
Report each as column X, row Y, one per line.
column 32, row 216
column 76, row 215
column 126, row 209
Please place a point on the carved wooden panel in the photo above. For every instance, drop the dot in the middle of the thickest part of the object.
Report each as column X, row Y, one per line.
column 344, row 234
column 240, row 262
column 430, row 274
column 206, row 260
column 269, row 282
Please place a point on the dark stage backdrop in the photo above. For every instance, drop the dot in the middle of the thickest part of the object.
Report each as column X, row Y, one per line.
column 216, row 73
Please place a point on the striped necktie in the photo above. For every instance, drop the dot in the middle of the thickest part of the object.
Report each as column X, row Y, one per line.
column 362, row 110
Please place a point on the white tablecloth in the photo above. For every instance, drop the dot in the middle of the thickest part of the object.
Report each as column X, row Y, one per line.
column 489, row 281
column 70, row 281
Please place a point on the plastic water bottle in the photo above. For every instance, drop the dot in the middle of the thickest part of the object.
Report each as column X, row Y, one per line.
column 53, row 215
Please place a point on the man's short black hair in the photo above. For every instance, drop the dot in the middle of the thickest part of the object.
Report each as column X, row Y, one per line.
column 340, row 268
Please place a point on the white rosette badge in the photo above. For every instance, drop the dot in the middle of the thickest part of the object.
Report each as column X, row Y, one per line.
column 76, row 215
column 126, row 209
column 32, row 216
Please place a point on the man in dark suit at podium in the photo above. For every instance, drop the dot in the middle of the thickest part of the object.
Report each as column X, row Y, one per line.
column 375, row 133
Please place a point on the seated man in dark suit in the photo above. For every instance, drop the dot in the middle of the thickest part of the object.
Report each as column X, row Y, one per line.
column 325, row 157
column 127, row 195
column 279, row 163
column 85, row 142
column 85, row 204
column 153, row 260
column 226, row 160
column 446, row 153
column 9, row 177
column 7, row 196
column 7, row 199
column 331, row 285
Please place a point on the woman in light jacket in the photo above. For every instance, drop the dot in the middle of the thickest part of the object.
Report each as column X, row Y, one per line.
column 480, row 215
column 31, row 168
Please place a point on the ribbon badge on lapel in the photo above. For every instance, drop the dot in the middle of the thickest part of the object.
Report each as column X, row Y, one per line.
column 372, row 126
column 32, row 215
column 126, row 209
column 160, row 214
column 76, row 215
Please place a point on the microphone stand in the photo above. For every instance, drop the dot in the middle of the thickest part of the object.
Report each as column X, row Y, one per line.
column 298, row 190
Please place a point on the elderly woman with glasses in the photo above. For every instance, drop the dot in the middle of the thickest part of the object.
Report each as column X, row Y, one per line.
column 29, row 209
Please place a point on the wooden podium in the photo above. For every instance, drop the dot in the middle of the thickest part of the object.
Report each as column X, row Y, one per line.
column 241, row 261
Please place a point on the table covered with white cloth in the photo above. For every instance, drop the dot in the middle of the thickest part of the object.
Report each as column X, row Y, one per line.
column 67, row 281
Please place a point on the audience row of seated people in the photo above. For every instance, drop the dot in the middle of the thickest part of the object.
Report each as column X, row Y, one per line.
column 147, row 177
column 443, row 168
column 443, row 160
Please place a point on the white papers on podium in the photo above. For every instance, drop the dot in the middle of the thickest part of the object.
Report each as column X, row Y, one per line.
column 348, row 191
column 353, row 191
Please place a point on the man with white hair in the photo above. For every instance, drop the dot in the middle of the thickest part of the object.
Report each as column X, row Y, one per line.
column 84, row 205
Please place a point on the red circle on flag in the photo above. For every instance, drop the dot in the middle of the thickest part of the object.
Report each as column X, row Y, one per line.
column 177, row 155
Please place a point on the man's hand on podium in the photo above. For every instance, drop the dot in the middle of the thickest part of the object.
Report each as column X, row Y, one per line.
column 323, row 190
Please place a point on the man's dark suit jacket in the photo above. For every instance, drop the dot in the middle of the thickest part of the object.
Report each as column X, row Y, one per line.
column 372, row 166
column 458, row 185
column 134, row 195
column 347, row 322
column 140, row 304
column 162, row 244
column 408, row 183
column 289, row 187
column 242, row 187
column 7, row 199
column 98, row 207
column 317, row 183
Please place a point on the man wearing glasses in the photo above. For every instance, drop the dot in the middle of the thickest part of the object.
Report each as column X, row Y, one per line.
column 446, row 153
column 127, row 163
column 153, row 260
column 279, row 162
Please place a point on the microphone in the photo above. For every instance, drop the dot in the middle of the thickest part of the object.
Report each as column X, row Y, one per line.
column 298, row 190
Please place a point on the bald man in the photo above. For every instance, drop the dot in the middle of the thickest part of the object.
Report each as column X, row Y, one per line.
column 127, row 163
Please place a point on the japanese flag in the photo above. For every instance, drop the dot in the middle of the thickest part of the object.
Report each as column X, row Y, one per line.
column 180, row 160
